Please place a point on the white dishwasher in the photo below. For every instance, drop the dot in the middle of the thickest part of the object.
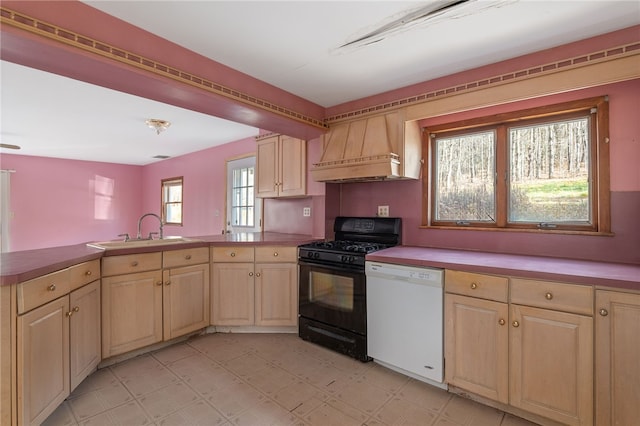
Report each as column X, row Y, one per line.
column 405, row 319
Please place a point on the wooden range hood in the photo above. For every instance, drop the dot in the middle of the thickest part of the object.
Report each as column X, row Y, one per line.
column 378, row 147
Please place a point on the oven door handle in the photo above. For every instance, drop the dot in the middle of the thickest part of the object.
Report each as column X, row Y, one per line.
column 332, row 266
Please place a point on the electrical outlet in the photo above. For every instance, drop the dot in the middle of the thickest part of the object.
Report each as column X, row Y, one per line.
column 383, row 211
column 306, row 211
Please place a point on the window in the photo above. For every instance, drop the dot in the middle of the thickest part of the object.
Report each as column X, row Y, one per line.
column 243, row 211
column 543, row 168
column 172, row 201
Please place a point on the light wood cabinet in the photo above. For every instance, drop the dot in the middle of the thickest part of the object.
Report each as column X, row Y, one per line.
column 281, row 165
column 476, row 334
column 276, row 286
column 84, row 332
column 254, row 286
column 186, row 291
column 551, row 350
column 617, row 356
column 476, row 346
column 232, row 294
column 166, row 296
column 533, row 351
column 551, row 355
column 43, row 361
column 185, row 300
column 58, row 342
column 131, row 312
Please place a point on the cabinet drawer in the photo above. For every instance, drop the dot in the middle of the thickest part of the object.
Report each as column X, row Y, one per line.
column 477, row 285
column 38, row 291
column 131, row 263
column 553, row 295
column 185, row 257
column 276, row 254
column 84, row 273
column 232, row 254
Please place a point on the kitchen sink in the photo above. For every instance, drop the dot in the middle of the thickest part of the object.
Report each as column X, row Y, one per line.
column 121, row 244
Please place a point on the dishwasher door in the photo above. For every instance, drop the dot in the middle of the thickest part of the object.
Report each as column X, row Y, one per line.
column 405, row 319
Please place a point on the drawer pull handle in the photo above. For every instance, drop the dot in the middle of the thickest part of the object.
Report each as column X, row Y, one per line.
column 275, row 254
column 502, row 321
column 250, row 274
column 233, row 254
column 516, row 324
column 188, row 257
column 548, row 296
column 474, row 286
column 88, row 273
column 52, row 287
column 134, row 263
column 159, row 283
column 603, row 312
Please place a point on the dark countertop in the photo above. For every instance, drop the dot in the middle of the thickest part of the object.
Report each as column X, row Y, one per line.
column 618, row 275
column 28, row 264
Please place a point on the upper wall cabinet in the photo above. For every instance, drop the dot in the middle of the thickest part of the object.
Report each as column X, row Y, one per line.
column 281, row 163
column 383, row 146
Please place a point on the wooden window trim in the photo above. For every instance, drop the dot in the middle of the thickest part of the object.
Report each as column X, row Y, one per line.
column 163, row 204
column 599, row 167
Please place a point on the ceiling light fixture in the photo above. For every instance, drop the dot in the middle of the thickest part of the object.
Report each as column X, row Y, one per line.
column 158, row 125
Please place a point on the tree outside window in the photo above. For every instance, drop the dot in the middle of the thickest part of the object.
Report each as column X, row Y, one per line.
column 544, row 168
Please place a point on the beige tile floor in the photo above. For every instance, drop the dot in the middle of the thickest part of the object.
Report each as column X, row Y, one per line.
column 262, row 379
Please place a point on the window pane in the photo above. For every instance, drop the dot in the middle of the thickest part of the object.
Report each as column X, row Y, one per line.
column 175, row 193
column 464, row 187
column 549, row 172
column 174, row 213
column 242, row 197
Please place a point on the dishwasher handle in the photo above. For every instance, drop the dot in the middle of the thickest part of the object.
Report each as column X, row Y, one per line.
column 416, row 275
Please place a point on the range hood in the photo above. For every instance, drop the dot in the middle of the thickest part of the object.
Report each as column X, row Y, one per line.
column 378, row 147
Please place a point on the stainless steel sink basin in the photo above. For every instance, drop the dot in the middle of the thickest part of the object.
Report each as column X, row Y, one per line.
column 120, row 244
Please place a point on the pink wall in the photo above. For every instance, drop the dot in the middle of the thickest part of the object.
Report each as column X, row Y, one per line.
column 205, row 192
column 59, row 202
column 404, row 197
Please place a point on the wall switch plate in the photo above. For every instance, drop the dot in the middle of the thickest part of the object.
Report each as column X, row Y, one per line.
column 306, row 211
column 383, row 211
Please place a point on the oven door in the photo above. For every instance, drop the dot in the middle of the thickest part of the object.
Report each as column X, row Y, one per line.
column 333, row 295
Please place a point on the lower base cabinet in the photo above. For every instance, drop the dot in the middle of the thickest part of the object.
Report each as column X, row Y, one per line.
column 526, row 344
column 58, row 347
column 551, row 362
column 131, row 312
column 254, row 286
column 617, row 355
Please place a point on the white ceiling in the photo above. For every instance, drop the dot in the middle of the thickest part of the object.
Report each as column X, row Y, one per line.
column 293, row 45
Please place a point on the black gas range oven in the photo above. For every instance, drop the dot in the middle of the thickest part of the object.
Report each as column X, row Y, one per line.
column 333, row 289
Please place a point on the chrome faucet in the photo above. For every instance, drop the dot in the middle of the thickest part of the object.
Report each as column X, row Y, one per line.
column 150, row 233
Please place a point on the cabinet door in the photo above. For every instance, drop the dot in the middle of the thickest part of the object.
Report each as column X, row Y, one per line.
column 232, row 298
column 131, row 312
column 293, row 167
column 617, row 358
column 185, row 300
column 43, row 361
column 267, row 174
column 476, row 346
column 84, row 332
column 276, row 294
column 551, row 356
